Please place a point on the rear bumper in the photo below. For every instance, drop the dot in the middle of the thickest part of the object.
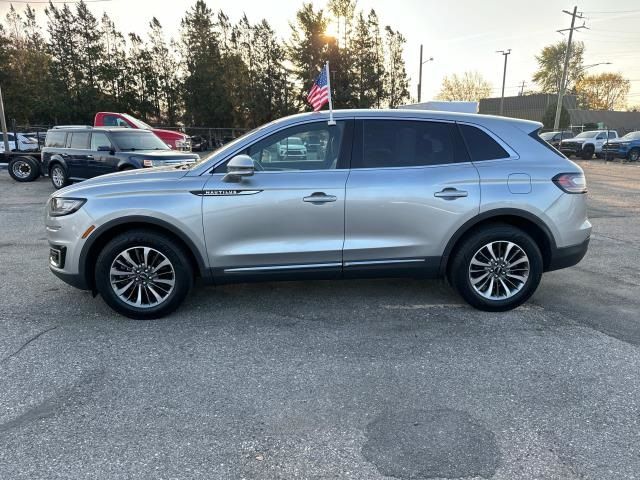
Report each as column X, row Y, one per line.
column 568, row 256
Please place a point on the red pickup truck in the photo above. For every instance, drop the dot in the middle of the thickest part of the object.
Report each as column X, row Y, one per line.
column 175, row 140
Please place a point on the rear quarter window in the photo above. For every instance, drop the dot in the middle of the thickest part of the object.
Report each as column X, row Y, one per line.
column 481, row 146
column 55, row 139
column 536, row 136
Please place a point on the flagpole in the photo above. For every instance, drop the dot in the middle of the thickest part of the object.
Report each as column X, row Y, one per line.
column 331, row 120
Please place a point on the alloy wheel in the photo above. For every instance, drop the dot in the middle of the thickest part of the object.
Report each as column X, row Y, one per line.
column 142, row 277
column 499, row 270
column 57, row 176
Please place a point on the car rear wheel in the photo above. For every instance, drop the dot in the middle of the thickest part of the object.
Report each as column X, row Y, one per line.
column 59, row 177
column 143, row 274
column 587, row 152
column 24, row 169
column 634, row 154
column 497, row 268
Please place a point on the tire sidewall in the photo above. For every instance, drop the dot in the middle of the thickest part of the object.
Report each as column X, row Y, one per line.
column 459, row 272
column 587, row 153
column 178, row 258
column 33, row 165
column 64, row 174
column 637, row 153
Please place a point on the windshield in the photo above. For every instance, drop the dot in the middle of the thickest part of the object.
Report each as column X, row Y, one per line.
column 547, row 135
column 230, row 145
column 632, row 136
column 138, row 140
column 586, row 134
column 137, row 123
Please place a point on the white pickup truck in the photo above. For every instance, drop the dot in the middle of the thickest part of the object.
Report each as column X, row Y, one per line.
column 585, row 144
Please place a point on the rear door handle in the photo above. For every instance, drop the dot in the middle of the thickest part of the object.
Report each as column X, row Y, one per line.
column 320, row 197
column 451, row 193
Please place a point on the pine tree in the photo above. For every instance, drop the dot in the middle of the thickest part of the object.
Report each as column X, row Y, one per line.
column 396, row 78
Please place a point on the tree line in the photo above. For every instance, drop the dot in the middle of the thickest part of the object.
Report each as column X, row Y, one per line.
column 217, row 73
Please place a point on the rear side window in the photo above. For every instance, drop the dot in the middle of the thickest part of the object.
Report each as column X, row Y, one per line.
column 407, row 143
column 55, row 139
column 99, row 139
column 481, row 146
column 536, row 136
column 79, row 140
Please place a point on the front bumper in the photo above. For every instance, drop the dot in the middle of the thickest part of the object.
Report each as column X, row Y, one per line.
column 616, row 152
column 568, row 256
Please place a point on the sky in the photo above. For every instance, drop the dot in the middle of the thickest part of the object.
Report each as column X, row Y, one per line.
column 461, row 35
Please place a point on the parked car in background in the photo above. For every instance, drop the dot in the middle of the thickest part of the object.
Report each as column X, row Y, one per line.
column 586, row 144
column 78, row 153
column 175, row 140
column 292, row 148
column 478, row 199
column 23, row 144
column 627, row 147
column 199, row 143
column 554, row 138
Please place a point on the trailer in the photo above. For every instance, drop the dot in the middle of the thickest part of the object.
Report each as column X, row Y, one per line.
column 22, row 166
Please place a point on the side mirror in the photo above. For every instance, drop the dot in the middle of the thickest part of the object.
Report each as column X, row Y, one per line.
column 238, row 167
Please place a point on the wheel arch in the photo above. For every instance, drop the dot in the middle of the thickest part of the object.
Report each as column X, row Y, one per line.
column 103, row 234
column 521, row 219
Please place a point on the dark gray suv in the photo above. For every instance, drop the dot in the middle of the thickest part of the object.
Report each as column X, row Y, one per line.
column 77, row 153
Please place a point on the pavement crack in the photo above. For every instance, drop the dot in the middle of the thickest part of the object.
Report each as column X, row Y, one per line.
column 28, row 342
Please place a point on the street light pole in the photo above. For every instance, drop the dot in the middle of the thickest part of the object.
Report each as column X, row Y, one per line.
column 420, row 73
column 505, row 53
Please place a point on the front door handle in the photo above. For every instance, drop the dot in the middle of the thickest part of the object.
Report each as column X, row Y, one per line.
column 451, row 193
column 320, row 197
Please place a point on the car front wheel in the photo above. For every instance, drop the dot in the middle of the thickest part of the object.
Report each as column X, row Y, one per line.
column 143, row 274
column 497, row 268
column 59, row 177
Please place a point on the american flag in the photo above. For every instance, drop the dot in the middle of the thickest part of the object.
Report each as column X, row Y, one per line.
column 319, row 93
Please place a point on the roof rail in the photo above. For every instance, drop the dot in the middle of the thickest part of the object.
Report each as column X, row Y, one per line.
column 70, row 126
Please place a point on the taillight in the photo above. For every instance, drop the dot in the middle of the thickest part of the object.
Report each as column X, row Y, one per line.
column 571, row 182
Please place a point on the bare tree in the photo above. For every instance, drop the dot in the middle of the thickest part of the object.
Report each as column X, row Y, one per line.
column 470, row 87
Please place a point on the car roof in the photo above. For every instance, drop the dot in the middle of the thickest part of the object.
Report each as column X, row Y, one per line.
column 136, row 131
column 487, row 120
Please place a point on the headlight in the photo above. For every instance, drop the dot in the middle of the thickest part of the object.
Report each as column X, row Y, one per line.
column 623, row 144
column 59, row 206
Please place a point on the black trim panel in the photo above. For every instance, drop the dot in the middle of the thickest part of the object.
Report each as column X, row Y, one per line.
column 488, row 216
column 568, row 256
column 140, row 219
column 75, row 280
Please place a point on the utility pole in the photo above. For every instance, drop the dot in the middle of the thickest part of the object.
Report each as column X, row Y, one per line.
column 505, row 53
column 420, row 73
column 567, row 57
column 3, row 123
column 522, row 88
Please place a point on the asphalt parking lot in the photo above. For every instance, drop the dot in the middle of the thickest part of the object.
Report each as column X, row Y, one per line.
column 353, row 379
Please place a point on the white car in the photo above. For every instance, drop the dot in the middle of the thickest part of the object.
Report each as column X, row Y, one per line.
column 585, row 144
column 25, row 144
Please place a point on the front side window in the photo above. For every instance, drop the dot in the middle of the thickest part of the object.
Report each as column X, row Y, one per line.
column 99, row 139
column 612, row 134
column 114, row 121
column 312, row 146
column 55, row 139
column 79, row 140
column 408, row 143
column 481, row 146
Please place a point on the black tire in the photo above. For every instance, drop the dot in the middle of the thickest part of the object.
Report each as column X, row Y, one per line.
column 587, row 152
column 633, row 155
column 58, row 175
column 179, row 262
column 460, row 264
column 24, row 169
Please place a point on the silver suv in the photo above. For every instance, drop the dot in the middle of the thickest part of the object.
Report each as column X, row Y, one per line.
column 480, row 200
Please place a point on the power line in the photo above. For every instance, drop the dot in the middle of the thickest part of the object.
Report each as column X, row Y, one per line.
column 31, row 2
column 612, row 12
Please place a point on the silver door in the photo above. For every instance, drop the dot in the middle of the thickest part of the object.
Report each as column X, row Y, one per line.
column 405, row 215
column 280, row 219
